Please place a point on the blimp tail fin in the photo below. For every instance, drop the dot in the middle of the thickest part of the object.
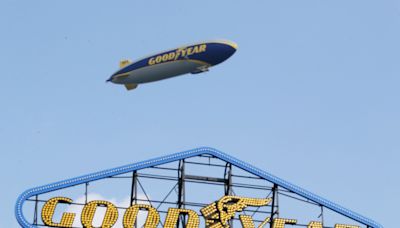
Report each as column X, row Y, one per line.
column 130, row 86
column 124, row 63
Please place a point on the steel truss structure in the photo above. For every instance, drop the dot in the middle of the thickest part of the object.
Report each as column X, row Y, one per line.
column 191, row 180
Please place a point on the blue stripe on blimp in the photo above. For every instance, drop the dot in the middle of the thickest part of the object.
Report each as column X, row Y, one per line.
column 214, row 54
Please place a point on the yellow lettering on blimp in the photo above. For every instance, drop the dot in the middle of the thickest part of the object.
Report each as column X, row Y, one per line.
column 181, row 52
column 189, row 51
column 151, row 61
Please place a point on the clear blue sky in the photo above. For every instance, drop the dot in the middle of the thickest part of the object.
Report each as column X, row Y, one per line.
column 312, row 95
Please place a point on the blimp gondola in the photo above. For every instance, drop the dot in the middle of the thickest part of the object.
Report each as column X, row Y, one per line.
column 194, row 59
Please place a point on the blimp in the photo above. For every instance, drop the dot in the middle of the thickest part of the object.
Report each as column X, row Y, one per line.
column 194, row 59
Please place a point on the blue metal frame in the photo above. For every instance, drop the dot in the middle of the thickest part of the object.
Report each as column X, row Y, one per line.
column 178, row 156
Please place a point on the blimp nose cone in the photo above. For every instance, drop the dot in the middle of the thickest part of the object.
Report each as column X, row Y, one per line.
column 230, row 50
column 110, row 79
column 221, row 51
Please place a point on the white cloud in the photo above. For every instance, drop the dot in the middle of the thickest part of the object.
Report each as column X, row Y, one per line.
column 98, row 216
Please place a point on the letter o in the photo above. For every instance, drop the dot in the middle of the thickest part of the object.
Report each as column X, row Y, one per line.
column 171, row 55
column 165, row 57
column 89, row 210
column 153, row 218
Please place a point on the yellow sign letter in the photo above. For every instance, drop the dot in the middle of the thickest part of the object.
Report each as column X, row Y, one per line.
column 315, row 225
column 48, row 209
column 88, row 211
column 153, row 218
column 345, row 226
column 173, row 216
column 280, row 222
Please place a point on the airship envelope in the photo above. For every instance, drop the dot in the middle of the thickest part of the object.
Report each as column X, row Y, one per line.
column 194, row 59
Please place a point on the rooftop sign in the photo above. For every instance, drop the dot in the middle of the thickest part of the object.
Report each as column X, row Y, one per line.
column 197, row 188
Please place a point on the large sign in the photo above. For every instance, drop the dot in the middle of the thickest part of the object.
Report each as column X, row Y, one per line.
column 197, row 188
column 217, row 214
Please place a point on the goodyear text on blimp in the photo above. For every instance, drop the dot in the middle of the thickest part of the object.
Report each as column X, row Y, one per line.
column 176, row 54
